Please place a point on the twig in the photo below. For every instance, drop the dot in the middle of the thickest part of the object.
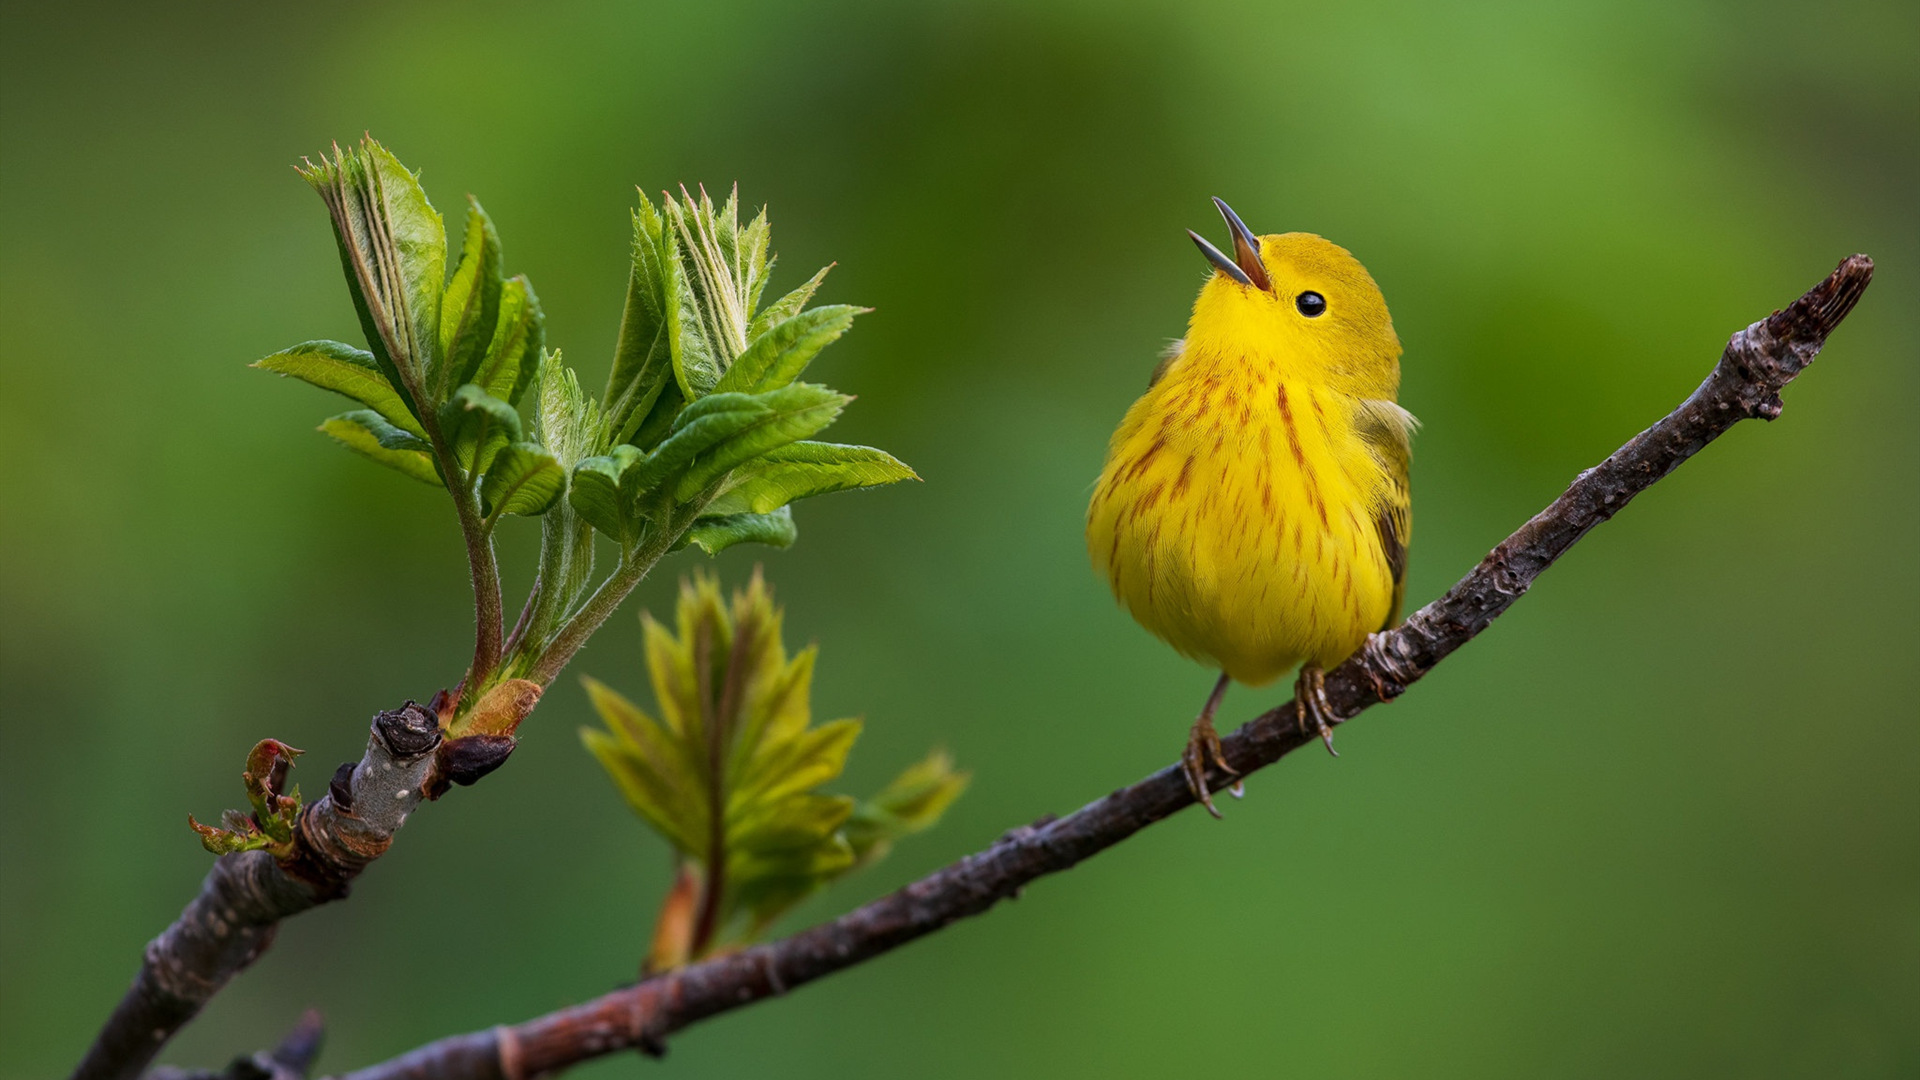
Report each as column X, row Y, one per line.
column 289, row 1061
column 244, row 897
column 488, row 606
column 598, row 608
column 1758, row 362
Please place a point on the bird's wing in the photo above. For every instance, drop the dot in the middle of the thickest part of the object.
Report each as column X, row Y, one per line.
column 1388, row 431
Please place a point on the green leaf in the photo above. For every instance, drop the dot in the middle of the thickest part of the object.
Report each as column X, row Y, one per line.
column 566, row 421
column 471, row 305
column 394, row 247
column 778, row 356
column 660, row 419
column 274, row 809
column 513, row 354
column 754, row 257
column 788, row 767
column 787, row 306
column 797, row 824
column 343, row 369
column 477, row 424
column 914, row 801
column 716, row 534
column 700, row 427
column 735, row 747
column 791, row 413
column 643, row 358
column 368, row 434
column 596, row 492
column 643, row 788
column 523, row 479
column 803, row 469
column 697, row 359
column 710, row 310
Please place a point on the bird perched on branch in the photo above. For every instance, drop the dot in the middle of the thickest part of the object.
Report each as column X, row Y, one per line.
column 1254, row 511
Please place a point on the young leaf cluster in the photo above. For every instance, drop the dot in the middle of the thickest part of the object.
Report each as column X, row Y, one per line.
column 704, row 435
column 705, row 416
column 270, row 826
column 730, row 772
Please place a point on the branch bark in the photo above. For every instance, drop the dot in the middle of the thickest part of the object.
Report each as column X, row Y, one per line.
column 241, row 901
column 1758, row 362
column 244, row 897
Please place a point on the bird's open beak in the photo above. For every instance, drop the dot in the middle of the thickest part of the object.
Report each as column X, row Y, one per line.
column 1245, row 267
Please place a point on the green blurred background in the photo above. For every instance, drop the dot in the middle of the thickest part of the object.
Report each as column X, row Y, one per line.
column 1662, row 820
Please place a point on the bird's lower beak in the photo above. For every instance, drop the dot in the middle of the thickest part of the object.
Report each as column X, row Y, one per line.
column 1245, row 267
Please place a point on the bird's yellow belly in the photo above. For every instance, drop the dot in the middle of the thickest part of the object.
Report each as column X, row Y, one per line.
column 1237, row 524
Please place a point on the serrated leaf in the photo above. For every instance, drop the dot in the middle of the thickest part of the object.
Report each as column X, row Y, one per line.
column 799, row 823
column 394, row 247
column 787, row 306
column 568, row 425
column 700, row 427
column 643, row 357
column 782, row 770
column 523, row 479
column 754, row 257
column 792, row 413
column 640, row 787
column 803, row 469
column 343, row 369
column 470, row 307
column 910, row 803
column 420, row 240
column 714, row 535
column 368, row 434
column 696, row 359
column 513, row 353
column 596, row 492
column 655, row 772
column 735, row 748
column 477, row 424
column 778, row 356
column 660, row 419
column 566, row 421
column 228, row 841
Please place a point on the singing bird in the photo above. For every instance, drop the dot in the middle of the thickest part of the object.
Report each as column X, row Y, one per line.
column 1255, row 510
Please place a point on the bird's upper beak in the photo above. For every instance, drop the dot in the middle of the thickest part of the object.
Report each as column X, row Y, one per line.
column 1245, row 267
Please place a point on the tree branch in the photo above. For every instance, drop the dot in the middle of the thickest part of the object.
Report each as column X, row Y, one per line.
column 1758, row 362
column 244, row 897
column 288, row 1061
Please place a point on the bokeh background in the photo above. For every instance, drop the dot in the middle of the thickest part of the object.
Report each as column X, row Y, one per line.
column 1662, row 820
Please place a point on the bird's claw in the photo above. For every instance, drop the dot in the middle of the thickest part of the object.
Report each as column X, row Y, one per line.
column 1311, row 706
column 1203, row 748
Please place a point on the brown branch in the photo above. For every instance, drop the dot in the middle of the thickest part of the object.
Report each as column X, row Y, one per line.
column 1758, row 362
column 244, row 897
column 288, row 1061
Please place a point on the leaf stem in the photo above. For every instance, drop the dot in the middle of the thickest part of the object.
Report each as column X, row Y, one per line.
column 488, row 607
column 634, row 567
column 713, row 720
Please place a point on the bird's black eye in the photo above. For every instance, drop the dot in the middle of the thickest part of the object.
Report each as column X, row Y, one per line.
column 1311, row 304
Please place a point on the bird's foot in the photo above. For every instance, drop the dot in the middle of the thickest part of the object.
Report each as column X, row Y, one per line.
column 1312, row 707
column 1203, row 749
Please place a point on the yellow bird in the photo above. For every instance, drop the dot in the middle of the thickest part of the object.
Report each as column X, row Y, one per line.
column 1254, row 511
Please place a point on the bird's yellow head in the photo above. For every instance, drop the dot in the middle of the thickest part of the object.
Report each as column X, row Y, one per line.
column 1296, row 301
